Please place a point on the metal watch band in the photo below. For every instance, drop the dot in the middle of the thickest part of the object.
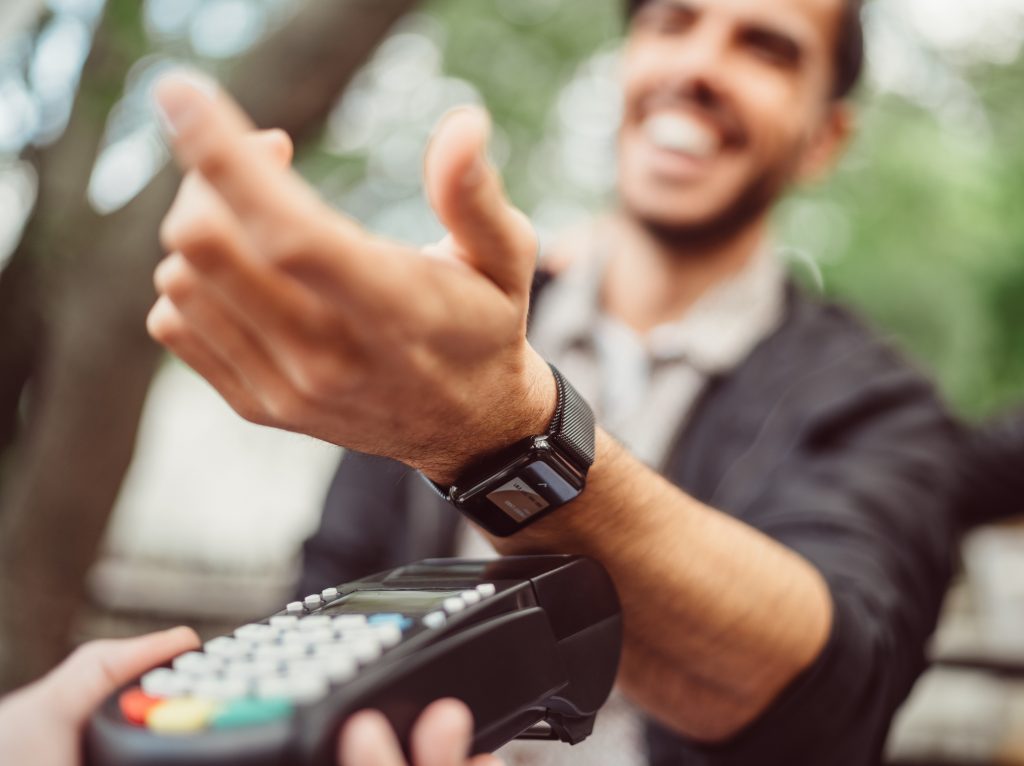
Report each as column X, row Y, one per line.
column 572, row 427
column 571, row 430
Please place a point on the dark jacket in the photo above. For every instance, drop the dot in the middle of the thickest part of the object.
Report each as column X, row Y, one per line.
column 992, row 472
column 825, row 440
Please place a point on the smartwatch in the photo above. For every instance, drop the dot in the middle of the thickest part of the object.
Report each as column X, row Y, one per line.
column 525, row 482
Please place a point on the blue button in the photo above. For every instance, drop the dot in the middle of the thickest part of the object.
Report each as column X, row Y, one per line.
column 387, row 618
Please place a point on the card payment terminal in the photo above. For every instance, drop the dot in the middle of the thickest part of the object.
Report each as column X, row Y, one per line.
column 531, row 644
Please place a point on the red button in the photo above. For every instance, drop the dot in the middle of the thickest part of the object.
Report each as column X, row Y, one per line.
column 136, row 704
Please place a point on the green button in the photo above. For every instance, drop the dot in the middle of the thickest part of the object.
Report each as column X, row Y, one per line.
column 251, row 713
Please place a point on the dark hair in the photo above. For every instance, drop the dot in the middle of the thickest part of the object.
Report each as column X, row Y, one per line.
column 849, row 53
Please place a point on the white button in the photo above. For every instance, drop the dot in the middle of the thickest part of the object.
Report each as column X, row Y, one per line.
column 295, row 607
column 364, row 649
column 315, row 622
column 302, row 688
column 298, row 638
column 196, row 662
column 453, row 605
column 388, row 634
column 343, row 621
column 225, row 647
column 329, row 594
column 307, row 688
column 256, row 633
column 281, row 652
column 272, row 688
column 312, row 601
column 435, row 619
column 252, row 669
column 470, row 596
column 221, row 689
column 306, row 666
column 339, row 668
column 284, row 621
column 319, row 636
column 486, row 589
column 164, row 683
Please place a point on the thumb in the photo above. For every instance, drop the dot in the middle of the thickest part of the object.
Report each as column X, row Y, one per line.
column 467, row 194
column 95, row 670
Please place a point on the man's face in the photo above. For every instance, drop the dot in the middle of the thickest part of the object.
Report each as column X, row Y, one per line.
column 726, row 103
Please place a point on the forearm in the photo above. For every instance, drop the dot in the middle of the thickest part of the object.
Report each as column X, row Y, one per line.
column 718, row 617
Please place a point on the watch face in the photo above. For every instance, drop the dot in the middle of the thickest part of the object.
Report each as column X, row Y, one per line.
column 518, row 499
column 535, row 488
column 521, row 491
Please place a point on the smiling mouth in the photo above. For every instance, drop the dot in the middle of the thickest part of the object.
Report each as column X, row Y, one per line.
column 682, row 134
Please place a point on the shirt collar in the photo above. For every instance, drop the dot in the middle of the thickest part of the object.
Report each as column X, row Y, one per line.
column 714, row 335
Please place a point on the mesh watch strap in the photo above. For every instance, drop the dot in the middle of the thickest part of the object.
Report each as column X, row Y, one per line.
column 572, row 427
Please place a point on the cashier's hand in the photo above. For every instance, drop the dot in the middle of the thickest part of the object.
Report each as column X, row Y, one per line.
column 303, row 320
column 441, row 737
column 42, row 723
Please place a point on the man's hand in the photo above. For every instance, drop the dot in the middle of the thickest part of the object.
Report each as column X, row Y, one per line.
column 42, row 723
column 302, row 320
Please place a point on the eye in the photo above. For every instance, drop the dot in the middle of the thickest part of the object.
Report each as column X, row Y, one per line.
column 664, row 18
column 775, row 48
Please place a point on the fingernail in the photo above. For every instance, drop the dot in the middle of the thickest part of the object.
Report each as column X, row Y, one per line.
column 179, row 96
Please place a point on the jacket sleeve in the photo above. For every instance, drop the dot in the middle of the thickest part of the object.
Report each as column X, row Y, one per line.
column 863, row 493
column 991, row 472
column 360, row 523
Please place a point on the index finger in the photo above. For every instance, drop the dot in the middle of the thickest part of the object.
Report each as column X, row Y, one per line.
column 208, row 130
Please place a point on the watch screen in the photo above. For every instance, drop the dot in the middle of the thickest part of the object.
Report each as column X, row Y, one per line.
column 518, row 499
column 536, row 487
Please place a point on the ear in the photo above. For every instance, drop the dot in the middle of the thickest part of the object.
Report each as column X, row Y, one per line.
column 827, row 144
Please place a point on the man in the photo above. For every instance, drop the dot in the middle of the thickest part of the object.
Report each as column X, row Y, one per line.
column 781, row 574
column 42, row 723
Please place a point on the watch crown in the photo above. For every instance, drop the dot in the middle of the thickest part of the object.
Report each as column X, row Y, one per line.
column 543, row 442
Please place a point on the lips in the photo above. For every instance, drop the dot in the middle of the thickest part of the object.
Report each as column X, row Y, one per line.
column 682, row 134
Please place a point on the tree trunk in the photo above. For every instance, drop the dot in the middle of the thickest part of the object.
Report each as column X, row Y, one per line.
column 94, row 368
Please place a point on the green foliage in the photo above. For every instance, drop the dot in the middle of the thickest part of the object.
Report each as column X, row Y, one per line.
column 520, row 67
column 931, row 246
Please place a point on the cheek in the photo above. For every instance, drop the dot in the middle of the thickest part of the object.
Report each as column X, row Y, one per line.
column 641, row 71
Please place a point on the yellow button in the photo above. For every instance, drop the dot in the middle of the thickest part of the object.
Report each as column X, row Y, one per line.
column 181, row 716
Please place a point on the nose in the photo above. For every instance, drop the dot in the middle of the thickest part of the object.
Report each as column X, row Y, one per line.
column 700, row 63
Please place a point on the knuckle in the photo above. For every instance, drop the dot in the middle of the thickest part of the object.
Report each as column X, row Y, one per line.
column 215, row 165
column 169, row 230
column 248, row 409
column 166, row 327
column 194, row 233
column 286, row 407
column 289, row 247
column 176, row 280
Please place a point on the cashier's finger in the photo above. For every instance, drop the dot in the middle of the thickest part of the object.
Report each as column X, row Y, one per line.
column 442, row 735
column 368, row 740
column 96, row 669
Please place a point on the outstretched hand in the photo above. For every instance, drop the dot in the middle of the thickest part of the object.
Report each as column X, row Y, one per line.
column 303, row 320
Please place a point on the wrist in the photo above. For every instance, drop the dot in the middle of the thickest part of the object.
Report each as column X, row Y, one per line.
column 520, row 410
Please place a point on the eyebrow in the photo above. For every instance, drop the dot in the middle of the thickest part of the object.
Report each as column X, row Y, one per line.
column 783, row 42
column 767, row 27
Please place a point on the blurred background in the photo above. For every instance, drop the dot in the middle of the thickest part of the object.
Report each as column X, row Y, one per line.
column 131, row 497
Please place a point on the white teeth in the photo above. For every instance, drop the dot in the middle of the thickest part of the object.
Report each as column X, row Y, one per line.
column 681, row 133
